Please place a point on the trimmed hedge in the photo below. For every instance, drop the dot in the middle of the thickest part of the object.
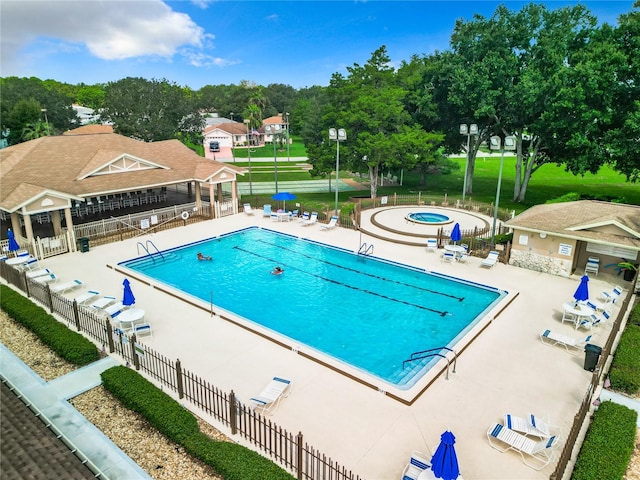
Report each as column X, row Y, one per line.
column 607, row 448
column 68, row 344
column 232, row 461
column 625, row 368
column 140, row 395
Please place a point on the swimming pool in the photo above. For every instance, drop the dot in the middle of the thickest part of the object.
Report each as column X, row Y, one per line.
column 367, row 313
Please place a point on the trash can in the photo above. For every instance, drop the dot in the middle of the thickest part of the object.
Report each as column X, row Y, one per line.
column 591, row 356
column 84, row 244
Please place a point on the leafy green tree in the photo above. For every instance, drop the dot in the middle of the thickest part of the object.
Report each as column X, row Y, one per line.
column 151, row 110
column 91, row 96
column 623, row 136
column 23, row 100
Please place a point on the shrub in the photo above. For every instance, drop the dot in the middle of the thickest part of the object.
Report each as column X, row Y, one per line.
column 625, row 368
column 140, row 395
column 232, row 461
column 609, row 443
column 68, row 344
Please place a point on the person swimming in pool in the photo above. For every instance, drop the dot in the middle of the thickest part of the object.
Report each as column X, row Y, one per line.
column 203, row 257
column 277, row 271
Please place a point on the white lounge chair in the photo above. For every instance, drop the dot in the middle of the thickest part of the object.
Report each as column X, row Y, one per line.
column 417, row 464
column 432, row 245
column 611, row 295
column 333, row 223
column 247, row 209
column 114, row 309
column 30, row 264
column 312, row 219
column 269, row 399
column 103, row 302
column 536, row 455
column 491, row 259
column 305, row 217
column 553, row 338
column 530, row 425
column 38, row 273
column 266, row 210
column 48, row 278
column 66, row 286
column 86, row 297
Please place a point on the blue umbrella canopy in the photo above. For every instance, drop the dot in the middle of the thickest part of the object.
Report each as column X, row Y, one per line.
column 127, row 296
column 444, row 462
column 456, row 235
column 13, row 245
column 284, row 196
column 582, row 292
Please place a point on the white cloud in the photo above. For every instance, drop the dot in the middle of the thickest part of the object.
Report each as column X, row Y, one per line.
column 109, row 29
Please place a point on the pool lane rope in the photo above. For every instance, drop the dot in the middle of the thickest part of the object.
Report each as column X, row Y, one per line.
column 439, row 312
column 455, row 297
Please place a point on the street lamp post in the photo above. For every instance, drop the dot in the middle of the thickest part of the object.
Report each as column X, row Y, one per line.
column 247, row 121
column 339, row 135
column 288, row 136
column 467, row 130
column 495, row 144
column 273, row 130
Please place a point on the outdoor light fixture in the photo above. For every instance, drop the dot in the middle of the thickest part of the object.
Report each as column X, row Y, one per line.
column 467, row 130
column 286, row 119
column 274, row 130
column 247, row 121
column 495, row 143
column 339, row 135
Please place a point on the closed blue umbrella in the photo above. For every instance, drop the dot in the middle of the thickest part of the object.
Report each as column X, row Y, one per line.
column 444, row 462
column 456, row 235
column 284, row 196
column 582, row 292
column 13, row 245
column 127, row 297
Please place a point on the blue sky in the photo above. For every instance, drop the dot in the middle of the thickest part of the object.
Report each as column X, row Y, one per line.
column 210, row 42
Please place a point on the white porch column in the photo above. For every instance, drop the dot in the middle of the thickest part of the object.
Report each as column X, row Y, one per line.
column 212, row 199
column 70, row 232
column 198, row 195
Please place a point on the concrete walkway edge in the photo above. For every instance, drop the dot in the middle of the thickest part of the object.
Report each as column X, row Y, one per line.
column 50, row 398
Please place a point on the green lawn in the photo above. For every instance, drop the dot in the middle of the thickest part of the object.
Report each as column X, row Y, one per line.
column 548, row 182
column 296, row 149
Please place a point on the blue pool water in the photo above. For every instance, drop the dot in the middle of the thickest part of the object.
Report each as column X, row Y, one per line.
column 428, row 217
column 368, row 313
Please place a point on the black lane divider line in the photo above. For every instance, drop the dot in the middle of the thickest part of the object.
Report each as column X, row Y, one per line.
column 455, row 297
column 422, row 307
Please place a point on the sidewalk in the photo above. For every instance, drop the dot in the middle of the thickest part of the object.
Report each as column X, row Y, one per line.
column 50, row 399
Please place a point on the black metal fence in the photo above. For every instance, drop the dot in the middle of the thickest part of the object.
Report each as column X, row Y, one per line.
column 287, row 449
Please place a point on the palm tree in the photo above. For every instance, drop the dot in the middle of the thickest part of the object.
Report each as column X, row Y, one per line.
column 35, row 130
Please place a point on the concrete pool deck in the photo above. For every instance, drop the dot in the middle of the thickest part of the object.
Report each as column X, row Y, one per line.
column 505, row 370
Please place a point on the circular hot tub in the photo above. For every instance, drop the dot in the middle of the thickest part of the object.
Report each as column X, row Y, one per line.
column 428, row 218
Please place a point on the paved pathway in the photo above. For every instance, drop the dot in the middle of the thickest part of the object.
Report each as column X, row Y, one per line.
column 51, row 400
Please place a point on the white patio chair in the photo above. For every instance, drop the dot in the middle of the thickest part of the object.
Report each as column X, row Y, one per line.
column 269, row 399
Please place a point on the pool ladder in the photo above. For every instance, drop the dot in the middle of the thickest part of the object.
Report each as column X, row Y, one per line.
column 365, row 249
column 146, row 249
column 433, row 352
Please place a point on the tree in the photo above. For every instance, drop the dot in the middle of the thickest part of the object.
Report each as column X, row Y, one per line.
column 23, row 100
column 151, row 110
column 623, row 136
column 36, row 130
